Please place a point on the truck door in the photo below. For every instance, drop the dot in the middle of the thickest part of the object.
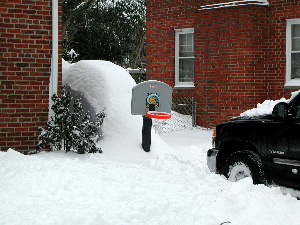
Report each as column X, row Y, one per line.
column 285, row 151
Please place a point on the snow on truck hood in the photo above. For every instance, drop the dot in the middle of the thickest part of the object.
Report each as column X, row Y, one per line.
column 267, row 106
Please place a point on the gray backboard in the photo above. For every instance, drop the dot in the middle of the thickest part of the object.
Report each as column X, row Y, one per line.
column 151, row 91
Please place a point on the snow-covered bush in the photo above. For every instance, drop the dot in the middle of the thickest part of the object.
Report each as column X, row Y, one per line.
column 68, row 129
column 71, row 56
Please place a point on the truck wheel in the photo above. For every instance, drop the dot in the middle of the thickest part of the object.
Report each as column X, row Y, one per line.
column 243, row 164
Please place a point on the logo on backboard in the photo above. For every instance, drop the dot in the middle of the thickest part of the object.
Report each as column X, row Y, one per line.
column 152, row 98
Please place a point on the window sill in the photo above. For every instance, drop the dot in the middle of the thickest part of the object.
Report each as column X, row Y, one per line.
column 184, row 86
column 293, row 84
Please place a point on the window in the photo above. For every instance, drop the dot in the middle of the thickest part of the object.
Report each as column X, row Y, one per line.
column 293, row 53
column 184, row 57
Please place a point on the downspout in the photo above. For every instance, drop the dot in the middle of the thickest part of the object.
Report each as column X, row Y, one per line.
column 54, row 60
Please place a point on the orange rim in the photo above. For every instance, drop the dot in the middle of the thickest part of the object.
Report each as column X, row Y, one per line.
column 158, row 115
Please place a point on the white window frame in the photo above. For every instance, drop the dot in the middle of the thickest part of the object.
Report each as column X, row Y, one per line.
column 179, row 84
column 290, row 83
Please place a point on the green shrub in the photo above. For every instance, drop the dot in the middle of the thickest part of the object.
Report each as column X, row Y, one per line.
column 68, row 129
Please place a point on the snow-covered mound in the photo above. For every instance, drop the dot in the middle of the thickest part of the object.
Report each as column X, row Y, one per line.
column 108, row 86
column 267, row 106
column 176, row 122
column 57, row 188
column 263, row 108
column 53, row 188
column 65, row 66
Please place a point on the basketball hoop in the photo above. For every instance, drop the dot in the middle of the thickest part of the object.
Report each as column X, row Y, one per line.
column 158, row 115
column 147, row 97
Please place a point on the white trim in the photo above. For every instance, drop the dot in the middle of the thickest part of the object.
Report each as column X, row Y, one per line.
column 184, row 86
column 293, row 84
column 185, row 30
column 177, row 33
column 290, row 83
column 54, row 60
column 234, row 3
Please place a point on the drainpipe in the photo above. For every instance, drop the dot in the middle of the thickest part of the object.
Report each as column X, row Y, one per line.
column 54, row 59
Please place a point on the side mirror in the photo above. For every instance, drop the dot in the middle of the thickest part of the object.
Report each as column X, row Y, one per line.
column 280, row 109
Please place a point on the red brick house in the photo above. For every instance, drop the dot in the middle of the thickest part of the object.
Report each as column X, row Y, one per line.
column 228, row 55
column 30, row 62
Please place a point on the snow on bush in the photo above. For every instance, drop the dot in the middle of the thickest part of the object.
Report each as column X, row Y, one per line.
column 69, row 128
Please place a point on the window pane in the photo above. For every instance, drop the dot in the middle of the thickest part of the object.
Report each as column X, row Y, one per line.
column 296, row 30
column 186, row 54
column 296, row 37
column 295, row 65
column 186, row 45
column 186, row 70
column 296, row 44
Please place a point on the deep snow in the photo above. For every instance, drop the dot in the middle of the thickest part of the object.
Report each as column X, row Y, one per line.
column 108, row 86
column 125, row 185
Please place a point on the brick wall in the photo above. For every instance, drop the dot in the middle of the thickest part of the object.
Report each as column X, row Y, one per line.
column 162, row 18
column 230, row 61
column 239, row 53
column 25, row 63
column 280, row 10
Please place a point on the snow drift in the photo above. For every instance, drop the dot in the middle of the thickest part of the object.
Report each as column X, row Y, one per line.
column 53, row 188
column 267, row 106
column 108, row 86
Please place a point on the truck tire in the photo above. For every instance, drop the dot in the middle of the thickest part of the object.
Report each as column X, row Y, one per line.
column 243, row 164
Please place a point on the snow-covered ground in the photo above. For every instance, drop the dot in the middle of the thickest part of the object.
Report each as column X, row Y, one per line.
column 170, row 185
column 174, row 188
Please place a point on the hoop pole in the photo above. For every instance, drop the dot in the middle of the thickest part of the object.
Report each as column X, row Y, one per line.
column 146, row 133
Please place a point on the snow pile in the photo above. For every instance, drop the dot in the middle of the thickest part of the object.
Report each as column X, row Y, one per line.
column 267, row 106
column 173, row 189
column 65, row 66
column 176, row 122
column 170, row 185
column 108, row 86
column 263, row 108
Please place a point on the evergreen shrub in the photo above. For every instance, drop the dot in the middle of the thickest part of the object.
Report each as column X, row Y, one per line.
column 68, row 129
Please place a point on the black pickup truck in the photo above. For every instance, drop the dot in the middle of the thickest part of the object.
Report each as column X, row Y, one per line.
column 266, row 148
